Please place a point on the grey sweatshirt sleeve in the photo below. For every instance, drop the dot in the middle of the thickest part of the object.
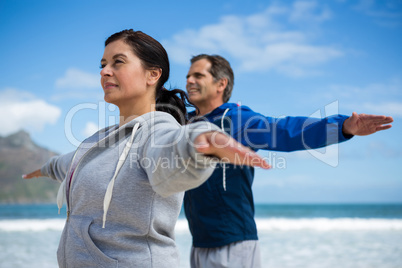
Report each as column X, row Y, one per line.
column 173, row 164
column 57, row 166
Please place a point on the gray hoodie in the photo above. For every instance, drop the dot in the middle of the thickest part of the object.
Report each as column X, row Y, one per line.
column 134, row 193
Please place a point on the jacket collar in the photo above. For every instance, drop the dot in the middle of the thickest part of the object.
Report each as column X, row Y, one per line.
column 217, row 110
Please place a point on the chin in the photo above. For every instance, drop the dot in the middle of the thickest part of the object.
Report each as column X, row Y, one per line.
column 192, row 99
column 108, row 99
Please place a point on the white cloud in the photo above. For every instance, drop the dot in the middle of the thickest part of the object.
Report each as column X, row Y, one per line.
column 383, row 149
column 22, row 110
column 328, row 155
column 90, row 129
column 73, row 82
column 74, row 78
column 78, row 95
column 309, row 11
column 386, row 9
column 385, row 13
column 262, row 41
column 391, row 108
column 374, row 98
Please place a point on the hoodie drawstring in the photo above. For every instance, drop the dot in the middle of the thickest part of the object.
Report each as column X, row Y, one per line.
column 61, row 194
column 224, row 164
column 122, row 159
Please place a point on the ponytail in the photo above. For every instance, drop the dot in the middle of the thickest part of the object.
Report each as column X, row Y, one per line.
column 173, row 102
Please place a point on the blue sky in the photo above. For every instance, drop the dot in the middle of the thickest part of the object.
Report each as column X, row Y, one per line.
column 307, row 58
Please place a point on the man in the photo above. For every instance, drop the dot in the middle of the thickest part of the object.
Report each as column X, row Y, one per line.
column 220, row 212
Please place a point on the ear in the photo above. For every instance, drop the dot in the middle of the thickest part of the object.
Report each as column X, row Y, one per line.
column 222, row 83
column 153, row 76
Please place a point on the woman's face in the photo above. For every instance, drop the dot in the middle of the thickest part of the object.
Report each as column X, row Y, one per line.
column 123, row 78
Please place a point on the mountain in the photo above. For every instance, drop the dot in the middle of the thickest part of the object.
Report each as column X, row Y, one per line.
column 20, row 155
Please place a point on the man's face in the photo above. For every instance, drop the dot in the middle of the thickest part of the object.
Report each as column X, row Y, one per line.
column 200, row 86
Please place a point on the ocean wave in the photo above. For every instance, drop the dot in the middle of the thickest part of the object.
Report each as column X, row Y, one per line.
column 327, row 224
column 263, row 224
column 317, row 224
column 32, row 225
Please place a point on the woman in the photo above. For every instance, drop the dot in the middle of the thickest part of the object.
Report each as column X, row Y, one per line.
column 124, row 185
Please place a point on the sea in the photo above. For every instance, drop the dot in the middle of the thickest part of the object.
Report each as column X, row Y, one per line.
column 291, row 236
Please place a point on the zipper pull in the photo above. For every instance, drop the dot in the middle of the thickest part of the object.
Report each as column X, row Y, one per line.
column 68, row 214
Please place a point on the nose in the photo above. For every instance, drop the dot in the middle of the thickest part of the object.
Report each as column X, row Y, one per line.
column 190, row 80
column 106, row 71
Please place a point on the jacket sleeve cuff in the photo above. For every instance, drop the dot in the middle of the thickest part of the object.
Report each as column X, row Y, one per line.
column 341, row 134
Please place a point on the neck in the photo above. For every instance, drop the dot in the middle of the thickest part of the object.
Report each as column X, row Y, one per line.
column 208, row 107
column 128, row 113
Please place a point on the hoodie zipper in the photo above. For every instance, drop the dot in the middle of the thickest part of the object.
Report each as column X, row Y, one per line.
column 69, row 198
column 71, row 183
column 68, row 201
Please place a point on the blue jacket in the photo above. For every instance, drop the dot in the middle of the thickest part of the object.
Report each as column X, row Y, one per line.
column 220, row 214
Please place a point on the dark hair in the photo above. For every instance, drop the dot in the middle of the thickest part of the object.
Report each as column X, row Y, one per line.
column 153, row 55
column 220, row 68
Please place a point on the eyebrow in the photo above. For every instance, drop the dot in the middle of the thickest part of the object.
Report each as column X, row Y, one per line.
column 116, row 56
column 195, row 74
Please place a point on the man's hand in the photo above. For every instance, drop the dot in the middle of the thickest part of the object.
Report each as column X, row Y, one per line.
column 366, row 124
column 228, row 150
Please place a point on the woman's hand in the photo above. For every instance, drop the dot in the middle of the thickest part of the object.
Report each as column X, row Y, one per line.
column 228, row 150
column 35, row 174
